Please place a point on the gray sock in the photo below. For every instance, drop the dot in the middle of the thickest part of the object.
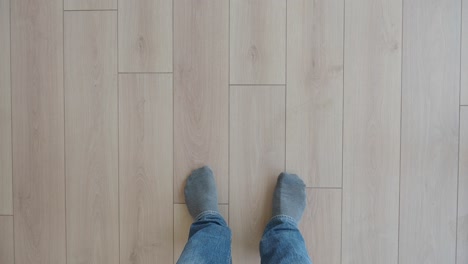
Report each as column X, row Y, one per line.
column 289, row 197
column 200, row 192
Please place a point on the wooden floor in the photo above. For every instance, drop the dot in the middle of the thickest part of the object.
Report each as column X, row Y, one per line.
column 107, row 105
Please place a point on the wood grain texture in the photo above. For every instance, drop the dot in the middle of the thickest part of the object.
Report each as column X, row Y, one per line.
column 315, row 91
column 321, row 225
column 429, row 132
column 6, row 188
column 258, row 42
column 145, row 36
column 6, row 240
column 91, row 137
column 464, row 55
column 38, row 131
column 201, row 91
column 371, row 140
column 90, row 4
column 145, row 136
column 257, row 118
column 462, row 236
column 182, row 222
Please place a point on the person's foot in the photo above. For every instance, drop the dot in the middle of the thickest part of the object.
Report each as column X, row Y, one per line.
column 200, row 192
column 289, row 197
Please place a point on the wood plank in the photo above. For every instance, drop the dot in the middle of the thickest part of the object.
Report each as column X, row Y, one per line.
column 257, row 140
column 258, row 42
column 145, row 140
column 464, row 54
column 371, row 140
column 315, row 91
column 429, row 132
column 91, row 137
column 201, row 91
column 6, row 189
column 145, row 36
column 321, row 225
column 90, row 4
column 462, row 242
column 38, row 129
column 182, row 222
column 6, row 239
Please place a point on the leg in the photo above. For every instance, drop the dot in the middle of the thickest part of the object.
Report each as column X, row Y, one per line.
column 282, row 241
column 209, row 241
column 210, row 237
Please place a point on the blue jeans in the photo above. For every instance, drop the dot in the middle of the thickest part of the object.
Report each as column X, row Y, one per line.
column 210, row 241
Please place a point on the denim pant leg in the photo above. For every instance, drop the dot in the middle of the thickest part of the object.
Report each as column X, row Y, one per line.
column 209, row 241
column 282, row 242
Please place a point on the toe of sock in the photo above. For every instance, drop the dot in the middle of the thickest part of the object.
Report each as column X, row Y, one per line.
column 291, row 178
column 205, row 170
